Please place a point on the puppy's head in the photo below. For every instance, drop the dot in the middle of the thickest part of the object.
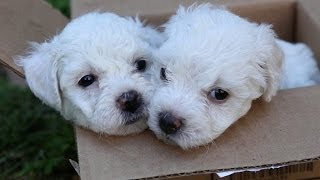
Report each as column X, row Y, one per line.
column 212, row 66
column 96, row 72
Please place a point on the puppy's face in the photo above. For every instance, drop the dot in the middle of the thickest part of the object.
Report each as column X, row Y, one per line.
column 96, row 72
column 210, row 69
column 109, row 92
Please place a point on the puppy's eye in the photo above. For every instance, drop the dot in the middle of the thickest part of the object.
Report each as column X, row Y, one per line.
column 141, row 64
column 163, row 74
column 87, row 80
column 218, row 95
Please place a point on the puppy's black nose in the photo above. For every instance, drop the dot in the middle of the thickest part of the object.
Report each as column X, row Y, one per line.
column 129, row 101
column 169, row 123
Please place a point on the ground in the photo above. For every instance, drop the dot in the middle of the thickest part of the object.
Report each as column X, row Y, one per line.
column 35, row 141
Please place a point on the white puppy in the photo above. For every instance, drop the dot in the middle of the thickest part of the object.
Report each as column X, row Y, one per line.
column 300, row 67
column 211, row 67
column 95, row 72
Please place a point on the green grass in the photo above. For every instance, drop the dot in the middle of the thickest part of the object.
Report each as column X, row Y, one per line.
column 62, row 5
column 35, row 141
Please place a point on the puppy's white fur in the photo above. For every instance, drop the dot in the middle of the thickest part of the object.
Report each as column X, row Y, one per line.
column 300, row 68
column 209, row 48
column 102, row 44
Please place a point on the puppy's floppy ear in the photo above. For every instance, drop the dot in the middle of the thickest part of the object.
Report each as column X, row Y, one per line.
column 40, row 68
column 271, row 61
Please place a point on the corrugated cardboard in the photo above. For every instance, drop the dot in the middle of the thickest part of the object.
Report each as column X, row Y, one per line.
column 23, row 21
column 308, row 24
column 309, row 170
column 301, row 171
column 279, row 13
column 282, row 132
column 272, row 133
column 285, row 131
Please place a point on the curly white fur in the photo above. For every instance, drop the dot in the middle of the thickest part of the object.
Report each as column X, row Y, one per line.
column 102, row 44
column 300, row 68
column 209, row 47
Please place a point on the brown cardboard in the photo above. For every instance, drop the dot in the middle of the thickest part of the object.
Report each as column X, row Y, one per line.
column 280, row 13
column 194, row 177
column 271, row 133
column 142, row 7
column 286, row 131
column 23, row 21
column 309, row 170
column 308, row 24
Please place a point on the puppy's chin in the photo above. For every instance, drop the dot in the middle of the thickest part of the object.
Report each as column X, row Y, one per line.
column 182, row 141
column 130, row 129
column 141, row 114
column 179, row 141
column 167, row 139
column 133, row 124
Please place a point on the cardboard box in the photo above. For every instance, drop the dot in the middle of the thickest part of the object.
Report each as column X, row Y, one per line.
column 23, row 21
column 309, row 170
column 283, row 132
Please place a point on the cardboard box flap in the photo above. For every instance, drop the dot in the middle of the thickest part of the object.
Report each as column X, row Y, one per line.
column 308, row 25
column 278, row 132
column 23, row 21
column 278, row 13
column 147, row 7
column 282, row 132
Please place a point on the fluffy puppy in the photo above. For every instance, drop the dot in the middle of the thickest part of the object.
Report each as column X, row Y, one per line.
column 211, row 67
column 95, row 72
column 300, row 67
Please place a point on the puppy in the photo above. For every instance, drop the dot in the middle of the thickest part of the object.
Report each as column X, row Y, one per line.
column 300, row 67
column 211, row 67
column 96, row 72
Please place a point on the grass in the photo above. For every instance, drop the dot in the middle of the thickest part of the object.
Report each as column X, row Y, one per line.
column 62, row 5
column 35, row 141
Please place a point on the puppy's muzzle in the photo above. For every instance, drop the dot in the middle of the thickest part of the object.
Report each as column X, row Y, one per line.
column 169, row 123
column 129, row 101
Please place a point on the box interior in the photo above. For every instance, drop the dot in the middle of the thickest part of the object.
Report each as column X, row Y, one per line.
column 258, row 140
column 293, row 20
column 276, row 133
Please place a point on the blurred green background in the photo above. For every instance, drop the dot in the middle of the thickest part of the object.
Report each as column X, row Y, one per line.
column 62, row 5
column 35, row 141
